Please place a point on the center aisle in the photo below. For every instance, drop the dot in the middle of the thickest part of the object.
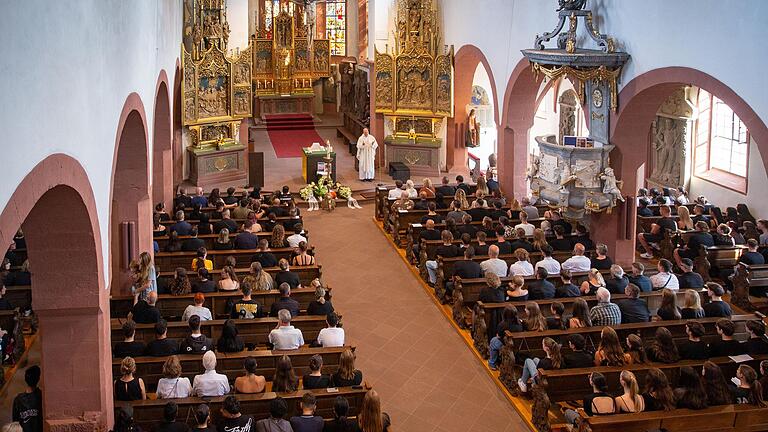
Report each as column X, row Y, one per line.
column 426, row 376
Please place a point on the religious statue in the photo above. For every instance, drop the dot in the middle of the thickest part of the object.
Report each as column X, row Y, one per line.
column 571, row 5
column 533, row 170
column 415, row 21
column 473, row 130
column 611, row 187
column 667, row 141
column 197, row 34
column 225, row 32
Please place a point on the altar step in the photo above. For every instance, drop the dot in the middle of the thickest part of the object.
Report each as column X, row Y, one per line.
column 290, row 122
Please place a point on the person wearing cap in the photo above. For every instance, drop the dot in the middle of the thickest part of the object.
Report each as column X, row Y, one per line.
column 210, row 383
column 689, row 278
column 197, row 309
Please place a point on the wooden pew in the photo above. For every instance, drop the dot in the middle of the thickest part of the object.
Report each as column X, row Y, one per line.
column 171, row 260
column 240, row 221
column 573, row 384
column 172, row 307
column 383, row 203
column 150, row 369
column 149, row 413
column 254, row 331
column 746, row 277
column 7, row 321
column 209, row 239
column 306, row 273
column 19, row 296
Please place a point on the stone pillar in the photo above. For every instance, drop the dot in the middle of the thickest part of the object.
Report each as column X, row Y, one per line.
column 513, row 153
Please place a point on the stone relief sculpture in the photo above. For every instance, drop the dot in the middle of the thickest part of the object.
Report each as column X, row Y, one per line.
column 668, row 145
column 568, row 104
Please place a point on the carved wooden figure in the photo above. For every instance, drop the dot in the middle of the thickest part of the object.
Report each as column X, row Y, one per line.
column 480, row 333
column 541, row 405
column 458, row 308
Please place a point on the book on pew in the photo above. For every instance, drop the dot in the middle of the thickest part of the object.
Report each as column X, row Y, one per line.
column 741, row 358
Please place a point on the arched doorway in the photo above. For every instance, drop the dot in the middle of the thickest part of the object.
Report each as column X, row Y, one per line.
column 178, row 150
column 162, row 158
column 130, row 195
column 68, row 291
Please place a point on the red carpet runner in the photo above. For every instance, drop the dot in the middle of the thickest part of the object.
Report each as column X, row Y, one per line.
column 290, row 132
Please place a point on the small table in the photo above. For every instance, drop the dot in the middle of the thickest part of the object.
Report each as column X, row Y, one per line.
column 312, row 160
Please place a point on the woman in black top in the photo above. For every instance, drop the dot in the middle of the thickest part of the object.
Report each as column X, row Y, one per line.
column 749, row 391
column 230, row 341
column 690, row 391
column 718, row 392
column 663, row 348
column 128, row 387
column 347, row 375
column 161, row 213
column 174, row 244
column 158, row 229
column 602, row 261
column 340, row 422
column 319, row 306
column 658, row 394
column 692, row 309
column 223, row 242
column 668, row 310
column 315, row 378
column 204, row 226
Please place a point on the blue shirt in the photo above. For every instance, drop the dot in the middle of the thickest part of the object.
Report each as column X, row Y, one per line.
column 203, row 201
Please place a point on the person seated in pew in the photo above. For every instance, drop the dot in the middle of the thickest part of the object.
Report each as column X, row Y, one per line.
column 228, row 280
column 197, row 309
column 347, row 375
column 258, row 279
column 232, row 419
column 748, row 389
column 445, row 189
column 285, row 379
column 519, row 241
column 524, row 225
column 333, row 335
column 307, row 421
column 493, row 291
column 636, row 350
column 515, row 293
column 478, row 210
column 662, row 348
column 716, row 306
column 698, row 214
column 582, row 236
column 692, row 308
column 285, row 336
column 668, row 310
column 497, row 211
column 295, row 239
column 481, row 249
column 599, row 402
column 701, row 237
column 172, row 385
column 223, row 241
column 230, row 199
column 466, row 241
column 196, row 213
column 630, row 401
column 577, row 357
column 193, row 243
column 174, row 244
column 717, row 389
column 727, row 345
column 456, row 214
column 566, row 288
column 468, row 268
column 466, row 227
column 509, row 323
column 724, row 236
column 340, row 422
column 594, row 282
column 22, row 277
column 284, row 302
column 315, row 378
column 642, row 208
column 556, row 320
column 203, row 284
column 657, row 394
column 756, row 343
column 638, row 278
column 303, row 259
column 251, row 382
column 161, row 213
column 550, row 264
column 285, row 275
column 195, row 342
column 602, row 261
column 278, row 208
column 268, row 224
column 428, row 233
column 230, row 341
column 578, row 262
column 143, row 312
column 560, row 243
column 690, row 392
column 241, row 211
column 609, row 351
column 181, row 227
column 664, row 278
column 394, row 194
column 533, row 319
column 210, row 383
column 684, row 221
column 278, row 238
column 764, row 377
column 158, row 229
column 523, row 266
column 128, row 347
column 128, row 387
column 752, row 256
column 658, row 229
column 579, row 315
column 201, row 260
column 264, row 256
column 541, row 288
column 531, row 366
column 320, row 305
column 180, row 285
column 247, row 239
column 431, row 215
column 689, row 278
column 633, row 308
column 421, row 204
column 275, row 423
column 762, row 227
column 694, row 348
column 162, row 346
column 617, row 280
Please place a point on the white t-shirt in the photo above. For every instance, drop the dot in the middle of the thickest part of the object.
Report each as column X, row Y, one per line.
column 331, row 337
column 577, row 263
column 521, row 268
column 286, row 338
column 527, row 227
column 664, row 280
column 494, row 265
column 550, row 264
column 203, row 312
column 395, row 193
column 294, row 240
column 171, row 388
column 210, row 383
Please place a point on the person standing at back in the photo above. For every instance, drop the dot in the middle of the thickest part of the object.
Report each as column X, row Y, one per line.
column 28, row 405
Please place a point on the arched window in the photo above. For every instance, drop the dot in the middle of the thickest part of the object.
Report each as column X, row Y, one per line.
column 336, row 26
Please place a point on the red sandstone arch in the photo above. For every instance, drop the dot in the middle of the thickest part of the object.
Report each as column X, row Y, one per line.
column 178, row 150
column 68, row 295
column 520, row 101
column 162, row 159
column 466, row 60
column 130, row 192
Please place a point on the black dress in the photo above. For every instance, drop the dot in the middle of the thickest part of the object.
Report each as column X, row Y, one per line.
column 127, row 391
column 338, row 381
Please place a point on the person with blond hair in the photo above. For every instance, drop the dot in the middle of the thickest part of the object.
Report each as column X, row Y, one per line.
column 594, row 282
column 370, row 418
column 521, row 267
column 173, row 385
column 554, row 360
column 631, row 401
column 347, row 375
column 128, row 387
column 427, row 189
column 261, row 280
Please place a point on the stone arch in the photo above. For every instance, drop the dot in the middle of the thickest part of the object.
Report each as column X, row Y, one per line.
column 69, row 295
column 178, row 146
column 467, row 58
column 130, row 193
column 162, row 158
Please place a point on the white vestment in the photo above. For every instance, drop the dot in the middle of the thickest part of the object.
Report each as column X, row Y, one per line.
column 366, row 155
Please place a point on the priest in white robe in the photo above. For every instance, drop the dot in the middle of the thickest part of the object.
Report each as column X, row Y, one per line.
column 366, row 155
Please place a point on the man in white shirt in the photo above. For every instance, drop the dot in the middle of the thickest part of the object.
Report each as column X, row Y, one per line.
column 210, row 383
column 296, row 238
column 550, row 264
column 332, row 336
column 524, row 225
column 493, row 264
column 395, row 193
column 285, row 336
column 664, row 278
column 578, row 262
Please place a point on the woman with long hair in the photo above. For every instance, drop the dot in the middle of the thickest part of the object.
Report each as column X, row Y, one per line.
column 636, row 350
column 223, row 241
column 347, row 375
column 285, row 379
column 128, row 387
column 689, row 392
column 554, row 360
column 684, row 221
column 180, row 283
column 172, row 385
column 534, row 319
column 278, row 237
column 662, row 348
column 411, row 189
column 738, row 238
column 580, row 315
column 630, row 401
column 427, row 189
column 303, row 258
column 539, row 240
column 731, row 215
column 758, row 232
column 370, row 418
column 692, row 308
column 124, row 421
column 158, row 229
column 320, row 305
column 147, row 275
column 715, row 386
column 262, row 281
column 668, row 310
column 228, row 280
column 744, row 215
column 658, row 394
column 609, row 352
column 481, row 190
column 174, row 243
column 461, row 197
column 594, row 282
column 723, row 236
column 749, row 390
column 715, row 216
column 230, row 341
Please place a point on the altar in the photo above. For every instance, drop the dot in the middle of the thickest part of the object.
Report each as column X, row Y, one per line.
column 284, row 104
column 313, row 164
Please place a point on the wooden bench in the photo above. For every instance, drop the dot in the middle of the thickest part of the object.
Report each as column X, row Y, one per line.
column 150, row 369
column 253, row 331
column 171, row 260
column 172, row 307
column 210, row 239
column 19, row 296
column 306, row 273
column 383, row 203
column 240, row 221
column 746, row 277
column 149, row 413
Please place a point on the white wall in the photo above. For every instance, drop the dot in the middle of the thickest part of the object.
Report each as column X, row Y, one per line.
column 68, row 68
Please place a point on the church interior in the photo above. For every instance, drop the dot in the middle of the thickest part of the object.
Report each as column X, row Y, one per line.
column 384, row 215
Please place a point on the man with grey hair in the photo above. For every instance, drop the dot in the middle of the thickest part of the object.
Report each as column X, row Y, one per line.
column 528, row 208
column 285, row 336
column 578, row 262
column 493, row 264
column 617, row 281
column 605, row 313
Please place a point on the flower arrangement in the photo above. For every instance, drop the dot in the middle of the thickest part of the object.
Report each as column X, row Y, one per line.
column 325, row 186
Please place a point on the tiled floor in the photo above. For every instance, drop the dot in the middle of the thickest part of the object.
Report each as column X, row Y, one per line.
column 427, row 377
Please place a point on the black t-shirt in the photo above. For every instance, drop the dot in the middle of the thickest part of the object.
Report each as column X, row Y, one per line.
column 741, row 395
column 449, row 251
column 428, row 234
column 208, row 286
column 698, row 239
column 510, row 326
column 615, row 285
column 467, row 229
column 756, row 346
column 338, row 381
column 467, row 269
column 317, row 308
column 667, row 224
column 492, row 295
column 143, row 313
column 690, row 313
column 162, row 348
column 724, row 348
column 175, row 426
column 244, row 423
column 752, row 258
column 578, row 359
column 284, row 303
column 316, row 382
column 633, row 310
column 562, row 244
column 246, row 240
column 520, row 244
column 289, row 277
column 307, row 423
column 602, row 264
column 717, row 309
column 340, row 425
column 128, row 349
column 28, row 410
column 690, row 350
column 505, row 247
column 435, row 217
column 541, row 289
column 690, row 280
column 196, row 345
column 266, row 259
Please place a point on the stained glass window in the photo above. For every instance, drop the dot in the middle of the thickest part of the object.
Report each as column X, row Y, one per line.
column 272, row 8
column 336, row 26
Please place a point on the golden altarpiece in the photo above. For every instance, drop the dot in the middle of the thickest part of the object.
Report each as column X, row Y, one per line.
column 216, row 94
column 414, row 88
column 287, row 60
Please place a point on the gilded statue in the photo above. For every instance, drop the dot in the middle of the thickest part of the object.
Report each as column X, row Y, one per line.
column 225, row 32
column 197, row 34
